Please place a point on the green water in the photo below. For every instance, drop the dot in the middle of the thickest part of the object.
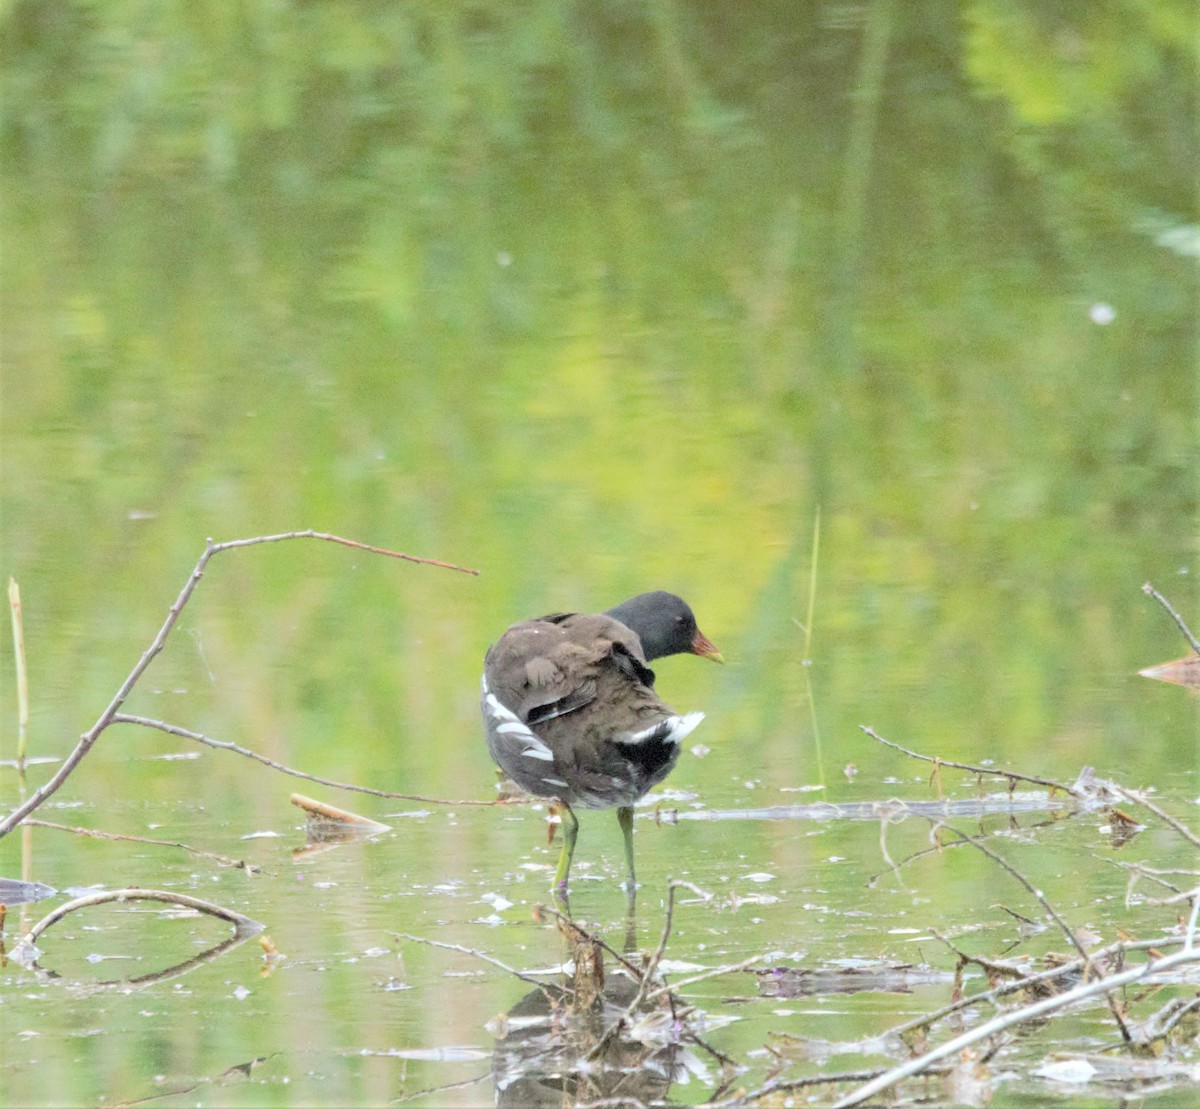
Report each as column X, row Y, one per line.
column 593, row 299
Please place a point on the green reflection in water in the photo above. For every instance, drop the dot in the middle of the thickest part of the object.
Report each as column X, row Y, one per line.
column 566, row 295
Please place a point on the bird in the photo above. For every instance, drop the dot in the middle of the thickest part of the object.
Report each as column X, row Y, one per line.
column 570, row 713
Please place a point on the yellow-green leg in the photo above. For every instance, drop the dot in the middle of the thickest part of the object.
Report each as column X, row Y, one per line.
column 625, row 819
column 570, row 830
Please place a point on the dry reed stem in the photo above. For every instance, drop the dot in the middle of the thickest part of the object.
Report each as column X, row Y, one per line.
column 18, row 634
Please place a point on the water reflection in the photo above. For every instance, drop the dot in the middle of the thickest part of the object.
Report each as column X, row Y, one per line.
column 546, row 1045
column 27, row 954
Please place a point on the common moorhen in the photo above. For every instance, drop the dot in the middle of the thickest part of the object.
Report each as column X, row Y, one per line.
column 570, row 712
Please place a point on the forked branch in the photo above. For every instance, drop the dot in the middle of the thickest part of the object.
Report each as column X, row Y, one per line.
column 88, row 739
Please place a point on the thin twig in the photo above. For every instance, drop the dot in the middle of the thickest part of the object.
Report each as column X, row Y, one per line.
column 1011, row 775
column 1150, row 591
column 1137, row 871
column 416, row 1094
column 1063, row 970
column 92, row 833
column 661, row 950
column 233, row 544
column 591, row 937
column 1051, row 912
column 781, row 1085
column 989, row 966
column 647, row 978
column 221, row 745
column 88, row 739
column 1004, row 1021
column 1183, row 895
column 1162, row 814
column 884, row 821
column 1033, row 891
column 716, row 972
column 476, row 954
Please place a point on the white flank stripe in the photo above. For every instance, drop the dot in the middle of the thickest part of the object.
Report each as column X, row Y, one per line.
column 541, row 751
column 497, row 709
column 680, row 727
column 513, row 726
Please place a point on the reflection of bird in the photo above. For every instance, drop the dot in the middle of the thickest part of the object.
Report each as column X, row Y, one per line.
column 544, row 1044
column 570, row 711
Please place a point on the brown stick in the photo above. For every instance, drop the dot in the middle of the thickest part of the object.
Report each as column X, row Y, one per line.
column 88, row 739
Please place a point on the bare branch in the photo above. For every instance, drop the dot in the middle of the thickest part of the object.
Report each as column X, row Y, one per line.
column 1150, row 591
column 88, row 739
column 1051, row 912
column 1012, row 776
column 1162, row 814
column 474, row 953
column 1007, row 1020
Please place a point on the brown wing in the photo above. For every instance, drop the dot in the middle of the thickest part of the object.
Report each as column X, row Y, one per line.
column 544, row 668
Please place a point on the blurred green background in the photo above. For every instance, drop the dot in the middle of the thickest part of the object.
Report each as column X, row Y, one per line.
column 598, row 298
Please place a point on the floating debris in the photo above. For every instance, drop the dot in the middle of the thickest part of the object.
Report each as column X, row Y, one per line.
column 327, row 826
column 1181, row 671
column 15, row 892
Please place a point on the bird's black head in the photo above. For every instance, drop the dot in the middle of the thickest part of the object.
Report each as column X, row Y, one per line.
column 665, row 625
